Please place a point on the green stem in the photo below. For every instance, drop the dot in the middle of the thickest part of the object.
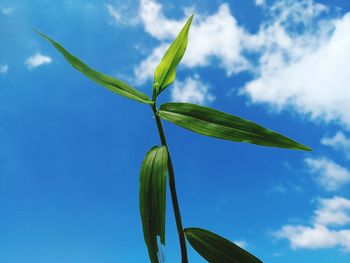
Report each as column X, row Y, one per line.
column 172, row 189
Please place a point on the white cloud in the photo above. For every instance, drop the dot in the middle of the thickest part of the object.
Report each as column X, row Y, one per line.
column 333, row 211
column 155, row 23
column 278, row 43
column 6, row 10
column 216, row 36
column 191, row 90
column 4, row 69
column 330, row 175
column 37, row 60
column 311, row 237
column 339, row 142
column 260, row 2
column 213, row 36
column 305, row 70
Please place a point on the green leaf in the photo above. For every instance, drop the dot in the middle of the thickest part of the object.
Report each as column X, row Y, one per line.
column 214, row 123
column 106, row 81
column 165, row 72
column 152, row 200
column 216, row 249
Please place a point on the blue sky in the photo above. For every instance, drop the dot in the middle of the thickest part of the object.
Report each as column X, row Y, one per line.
column 71, row 151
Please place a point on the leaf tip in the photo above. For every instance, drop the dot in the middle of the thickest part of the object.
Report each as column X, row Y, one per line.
column 302, row 147
column 41, row 34
column 189, row 21
column 37, row 31
column 305, row 148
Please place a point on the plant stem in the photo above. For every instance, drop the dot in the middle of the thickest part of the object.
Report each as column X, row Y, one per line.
column 172, row 189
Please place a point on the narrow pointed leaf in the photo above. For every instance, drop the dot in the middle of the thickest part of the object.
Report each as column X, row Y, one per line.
column 216, row 249
column 214, row 123
column 165, row 72
column 106, row 81
column 152, row 200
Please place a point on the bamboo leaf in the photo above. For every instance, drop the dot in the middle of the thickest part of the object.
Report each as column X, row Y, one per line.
column 152, row 200
column 214, row 123
column 165, row 72
column 106, row 81
column 216, row 249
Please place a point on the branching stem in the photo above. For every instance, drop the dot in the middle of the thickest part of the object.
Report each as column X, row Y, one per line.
column 172, row 189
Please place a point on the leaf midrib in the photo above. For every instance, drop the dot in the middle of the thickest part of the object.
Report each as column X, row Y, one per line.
column 171, row 67
column 205, row 121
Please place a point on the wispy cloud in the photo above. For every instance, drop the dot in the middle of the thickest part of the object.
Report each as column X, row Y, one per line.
column 4, row 69
column 328, row 174
column 191, row 90
column 114, row 13
column 37, row 60
column 6, row 10
column 241, row 243
column 260, row 2
column 338, row 142
column 121, row 15
column 322, row 232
